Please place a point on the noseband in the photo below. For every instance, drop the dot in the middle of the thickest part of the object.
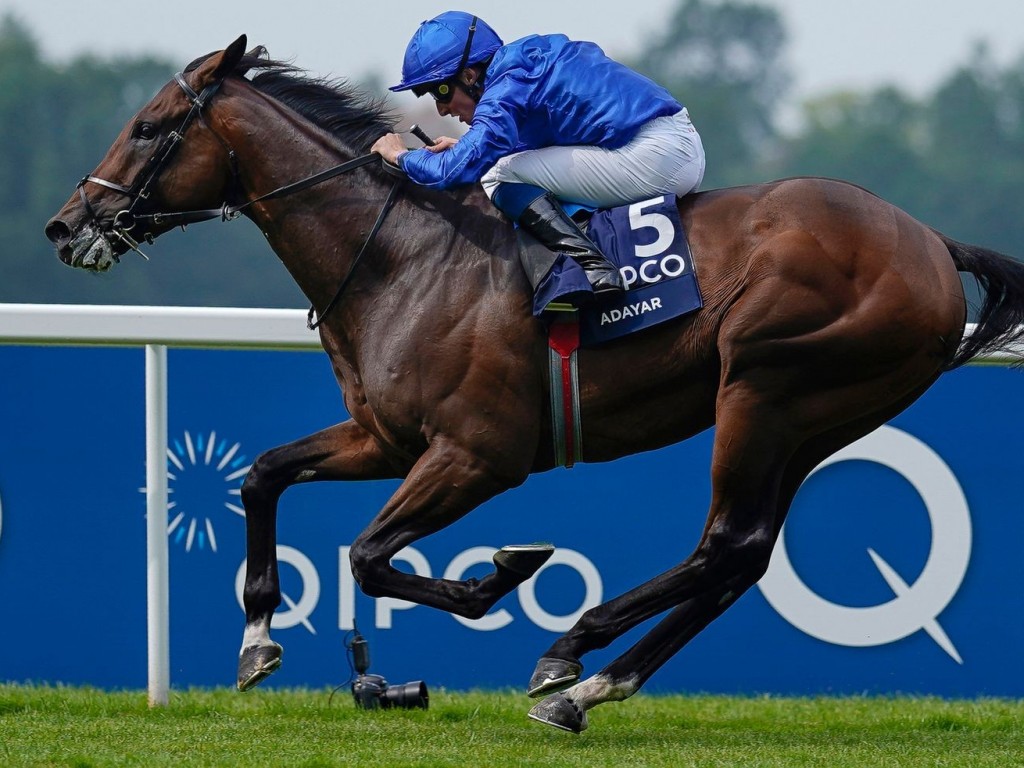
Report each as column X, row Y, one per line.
column 140, row 189
column 138, row 192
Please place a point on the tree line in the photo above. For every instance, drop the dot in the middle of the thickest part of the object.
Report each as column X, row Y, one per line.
column 953, row 158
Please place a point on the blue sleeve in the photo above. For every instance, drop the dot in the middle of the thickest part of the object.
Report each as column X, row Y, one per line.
column 493, row 134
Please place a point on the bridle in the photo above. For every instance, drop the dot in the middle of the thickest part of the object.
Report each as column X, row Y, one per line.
column 139, row 191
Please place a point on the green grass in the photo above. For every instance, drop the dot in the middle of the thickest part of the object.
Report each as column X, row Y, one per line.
column 54, row 726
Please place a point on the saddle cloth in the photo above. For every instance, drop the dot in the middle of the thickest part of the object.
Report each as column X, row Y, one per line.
column 647, row 243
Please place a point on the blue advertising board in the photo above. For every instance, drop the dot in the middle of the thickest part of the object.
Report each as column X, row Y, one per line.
column 900, row 568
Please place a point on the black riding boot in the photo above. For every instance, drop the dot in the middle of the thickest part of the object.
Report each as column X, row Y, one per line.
column 546, row 221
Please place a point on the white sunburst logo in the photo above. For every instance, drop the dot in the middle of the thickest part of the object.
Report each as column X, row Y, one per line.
column 204, row 477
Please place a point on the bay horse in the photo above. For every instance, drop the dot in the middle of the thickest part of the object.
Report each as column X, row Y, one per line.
column 827, row 312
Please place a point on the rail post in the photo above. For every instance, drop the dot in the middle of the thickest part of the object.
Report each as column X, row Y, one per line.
column 157, row 576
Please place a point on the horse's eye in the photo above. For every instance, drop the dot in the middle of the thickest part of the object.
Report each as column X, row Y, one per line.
column 144, row 131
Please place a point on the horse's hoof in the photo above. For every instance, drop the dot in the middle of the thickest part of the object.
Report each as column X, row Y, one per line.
column 523, row 560
column 561, row 712
column 553, row 675
column 256, row 663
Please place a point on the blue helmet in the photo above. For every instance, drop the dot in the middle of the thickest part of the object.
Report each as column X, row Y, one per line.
column 443, row 46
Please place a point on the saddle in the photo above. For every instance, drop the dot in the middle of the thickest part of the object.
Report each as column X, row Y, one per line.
column 646, row 241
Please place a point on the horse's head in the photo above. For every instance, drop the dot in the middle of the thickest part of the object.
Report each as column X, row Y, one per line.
column 165, row 160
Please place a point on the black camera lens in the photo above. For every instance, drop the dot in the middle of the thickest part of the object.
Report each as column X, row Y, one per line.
column 408, row 696
column 373, row 692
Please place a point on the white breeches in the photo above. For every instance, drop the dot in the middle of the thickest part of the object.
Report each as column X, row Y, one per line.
column 665, row 157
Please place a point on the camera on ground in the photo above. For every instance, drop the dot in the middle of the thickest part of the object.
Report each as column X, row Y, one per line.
column 373, row 691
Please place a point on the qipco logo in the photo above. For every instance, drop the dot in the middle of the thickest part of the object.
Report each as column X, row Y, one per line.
column 297, row 608
column 529, row 601
column 914, row 606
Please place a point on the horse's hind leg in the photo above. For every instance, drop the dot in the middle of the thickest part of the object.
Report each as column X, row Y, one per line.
column 626, row 674
column 753, row 444
column 343, row 452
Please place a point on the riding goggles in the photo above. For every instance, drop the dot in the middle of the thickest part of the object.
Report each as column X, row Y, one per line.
column 442, row 92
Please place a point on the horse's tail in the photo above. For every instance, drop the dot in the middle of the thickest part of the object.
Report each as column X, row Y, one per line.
column 1000, row 320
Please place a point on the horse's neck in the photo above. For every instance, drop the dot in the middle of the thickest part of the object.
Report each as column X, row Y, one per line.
column 316, row 232
column 435, row 250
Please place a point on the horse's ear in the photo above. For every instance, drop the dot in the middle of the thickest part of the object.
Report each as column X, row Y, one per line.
column 221, row 64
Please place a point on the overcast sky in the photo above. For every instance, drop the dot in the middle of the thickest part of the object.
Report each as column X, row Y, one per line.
column 912, row 43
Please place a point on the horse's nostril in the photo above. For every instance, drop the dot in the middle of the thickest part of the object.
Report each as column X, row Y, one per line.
column 57, row 232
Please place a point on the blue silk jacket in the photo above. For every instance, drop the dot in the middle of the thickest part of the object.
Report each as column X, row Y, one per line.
column 542, row 91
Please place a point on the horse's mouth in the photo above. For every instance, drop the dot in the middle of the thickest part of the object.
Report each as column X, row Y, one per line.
column 90, row 250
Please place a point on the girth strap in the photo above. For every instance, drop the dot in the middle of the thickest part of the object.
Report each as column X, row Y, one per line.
column 564, row 385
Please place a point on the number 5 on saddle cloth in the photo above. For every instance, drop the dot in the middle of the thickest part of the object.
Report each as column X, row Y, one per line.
column 647, row 243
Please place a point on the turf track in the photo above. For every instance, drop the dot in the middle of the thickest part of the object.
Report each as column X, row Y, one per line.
column 53, row 726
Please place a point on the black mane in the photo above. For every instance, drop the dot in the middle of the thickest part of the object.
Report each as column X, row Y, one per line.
column 340, row 108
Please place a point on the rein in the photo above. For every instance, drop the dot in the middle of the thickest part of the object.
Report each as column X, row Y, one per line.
column 388, row 203
column 229, row 212
column 140, row 189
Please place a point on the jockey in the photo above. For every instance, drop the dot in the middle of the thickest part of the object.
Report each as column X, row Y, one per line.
column 549, row 119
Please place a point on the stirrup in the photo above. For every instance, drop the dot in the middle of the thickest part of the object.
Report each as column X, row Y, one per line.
column 604, row 278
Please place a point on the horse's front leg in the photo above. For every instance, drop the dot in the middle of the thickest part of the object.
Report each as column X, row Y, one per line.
column 345, row 451
column 448, row 481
